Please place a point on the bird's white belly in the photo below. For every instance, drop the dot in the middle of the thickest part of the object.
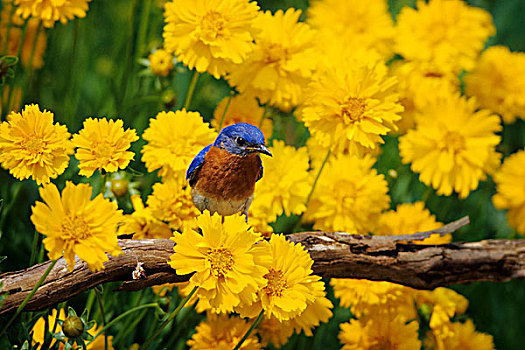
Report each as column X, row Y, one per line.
column 220, row 206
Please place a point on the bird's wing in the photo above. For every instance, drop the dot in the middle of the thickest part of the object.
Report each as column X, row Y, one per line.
column 196, row 165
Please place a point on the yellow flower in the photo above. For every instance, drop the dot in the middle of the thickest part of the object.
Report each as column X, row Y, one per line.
column 464, row 336
column 171, row 201
column 225, row 259
column 242, row 109
column 39, row 332
column 222, row 332
column 367, row 298
column 174, row 138
column 271, row 330
column 448, row 33
column 410, row 218
column 510, row 185
column 282, row 62
column 420, row 84
column 498, row 82
column 349, row 196
column 103, row 145
column 380, row 333
column 210, row 35
column 453, row 145
column 285, row 185
column 161, row 62
column 32, row 146
column 50, row 11
column 142, row 224
column 351, row 105
column 357, row 24
column 76, row 225
column 289, row 284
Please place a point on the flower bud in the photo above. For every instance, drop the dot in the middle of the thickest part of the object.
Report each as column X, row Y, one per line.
column 119, row 187
column 73, row 327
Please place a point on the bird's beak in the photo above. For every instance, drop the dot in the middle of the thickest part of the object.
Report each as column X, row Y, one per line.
column 263, row 149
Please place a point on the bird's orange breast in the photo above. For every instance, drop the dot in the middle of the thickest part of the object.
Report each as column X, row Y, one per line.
column 228, row 176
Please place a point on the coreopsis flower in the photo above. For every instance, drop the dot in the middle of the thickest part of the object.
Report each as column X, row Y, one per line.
column 289, row 284
column 222, row 332
column 171, row 202
column 103, row 145
column 448, row 33
column 349, row 196
column 285, row 185
column 453, row 145
column 161, row 62
column 464, row 336
column 510, row 185
column 242, row 109
column 364, row 297
column 225, row 260
column 282, row 62
column 142, row 223
column 51, row 11
column 76, row 225
column 174, row 138
column 351, row 105
column 420, row 84
column 498, row 82
column 410, row 218
column 271, row 330
column 31, row 145
column 39, row 333
column 357, row 24
column 210, row 35
column 393, row 333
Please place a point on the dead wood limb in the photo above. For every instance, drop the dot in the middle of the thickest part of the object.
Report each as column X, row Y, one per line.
column 334, row 254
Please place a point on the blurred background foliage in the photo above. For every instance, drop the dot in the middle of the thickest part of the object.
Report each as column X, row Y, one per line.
column 92, row 68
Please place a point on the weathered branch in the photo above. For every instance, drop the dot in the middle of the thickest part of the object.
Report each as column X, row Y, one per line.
column 334, row 254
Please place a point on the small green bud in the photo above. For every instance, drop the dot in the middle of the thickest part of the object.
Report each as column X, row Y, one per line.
column 73, row 327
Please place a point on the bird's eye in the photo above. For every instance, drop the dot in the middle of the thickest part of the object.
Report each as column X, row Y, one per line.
column 240, row 141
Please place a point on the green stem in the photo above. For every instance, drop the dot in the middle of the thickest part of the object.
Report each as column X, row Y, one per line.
column 103, row 318
column 191, row 89
column 143, row 28
column 69, row 108
column 250, row 330
column 224, row 112
column 168, row 320
column 314, row 184
column 34, row 249
column 29, row 69
column 129, row 54
column 26, row 300
column 119, row 317
column 426, row 195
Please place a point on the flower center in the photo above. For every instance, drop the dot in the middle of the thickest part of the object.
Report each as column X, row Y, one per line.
column 274, row 53
column 75, row 228
column 453, row 142
column 276, row 283
column 353, row 109
column 221, row 261
column 211, row 26
column 34, row 145
column 103, row 150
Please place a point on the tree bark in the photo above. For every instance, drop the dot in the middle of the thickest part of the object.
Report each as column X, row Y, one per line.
column 337, row 255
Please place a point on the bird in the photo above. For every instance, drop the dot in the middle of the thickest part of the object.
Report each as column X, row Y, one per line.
column 222, row 175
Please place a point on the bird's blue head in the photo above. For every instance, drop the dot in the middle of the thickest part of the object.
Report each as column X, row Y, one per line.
column 242, row 139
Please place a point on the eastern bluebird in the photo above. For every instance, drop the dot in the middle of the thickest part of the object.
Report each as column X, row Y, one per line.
column 223, row 175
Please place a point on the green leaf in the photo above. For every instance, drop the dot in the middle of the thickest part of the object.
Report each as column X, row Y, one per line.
column 71, row 311
column 10, row 60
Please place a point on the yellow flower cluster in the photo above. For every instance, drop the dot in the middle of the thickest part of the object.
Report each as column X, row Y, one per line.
column 234, row 270
column 498, row 82
column 161, row 62
column 453, row 145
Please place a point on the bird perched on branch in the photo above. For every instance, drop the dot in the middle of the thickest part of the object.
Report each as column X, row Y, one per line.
column 223, row 175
